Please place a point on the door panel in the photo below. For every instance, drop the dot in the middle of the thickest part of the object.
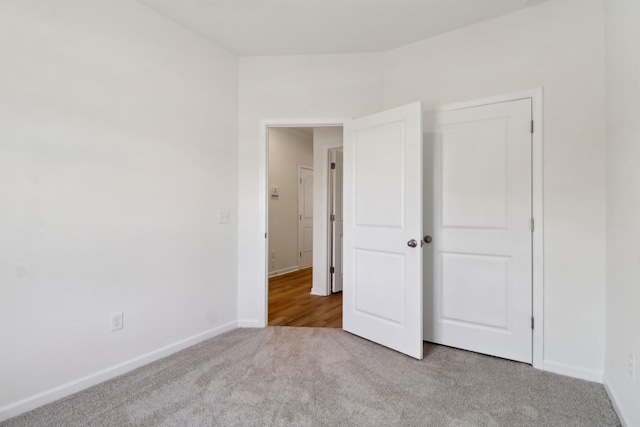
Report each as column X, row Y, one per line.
column 374, row 297
column 474, row 189
column 382, row 296
column 480, row 293
column 379, row 176
column 461, row 289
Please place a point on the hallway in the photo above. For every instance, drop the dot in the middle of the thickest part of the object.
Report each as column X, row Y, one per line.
column 291, row 304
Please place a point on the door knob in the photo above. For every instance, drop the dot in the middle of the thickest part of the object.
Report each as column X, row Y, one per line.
column 412, row 243
column 427, row 239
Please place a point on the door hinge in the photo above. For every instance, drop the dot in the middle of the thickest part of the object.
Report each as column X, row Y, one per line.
column 332, row 217
column 300, row 180
column 532, row 322
column 300, row 254
column 265, row 235
column 333, row 165
column 531, row 126
column 332, row 270
column 533, row 225
column 300, row 217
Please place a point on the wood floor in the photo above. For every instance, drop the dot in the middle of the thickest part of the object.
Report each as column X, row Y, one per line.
column 291, row 304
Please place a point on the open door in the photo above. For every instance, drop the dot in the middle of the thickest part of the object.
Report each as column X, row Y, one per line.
column 382, row 288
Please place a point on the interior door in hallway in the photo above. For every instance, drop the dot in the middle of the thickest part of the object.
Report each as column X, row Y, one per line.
column 478, row 174
column 382, row 288
column 305, row 216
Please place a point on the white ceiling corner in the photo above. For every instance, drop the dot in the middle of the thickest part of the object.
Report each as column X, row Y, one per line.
column 297, row 27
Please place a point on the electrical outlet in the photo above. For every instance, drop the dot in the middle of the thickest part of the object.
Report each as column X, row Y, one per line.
column 632, row 366
column 223, row 217
column 117, row 321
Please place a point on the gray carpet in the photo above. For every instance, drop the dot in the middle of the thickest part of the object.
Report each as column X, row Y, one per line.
column 281, row 376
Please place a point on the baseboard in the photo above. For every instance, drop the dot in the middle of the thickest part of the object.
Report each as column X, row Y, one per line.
column 319, row 292
column 283, row 271
column 250, row 323
column 614, row 403
column 572, row 371
column 64, row 390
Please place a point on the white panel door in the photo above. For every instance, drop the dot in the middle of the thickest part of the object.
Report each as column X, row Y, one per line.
column 305, row 217
column 479, row 297
column 382, row 288
column 338, row 220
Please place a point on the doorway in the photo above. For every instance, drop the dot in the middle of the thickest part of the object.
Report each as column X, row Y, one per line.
column 478, row 175
column 299, row 249
column 336, row 219
column 290, row 203
column 535, row 97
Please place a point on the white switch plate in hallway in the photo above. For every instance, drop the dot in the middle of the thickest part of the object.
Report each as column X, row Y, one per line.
column 223, row 217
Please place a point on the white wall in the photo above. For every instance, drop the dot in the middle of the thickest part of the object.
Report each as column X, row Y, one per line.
column 623, row 205
column 118, row 147
column 288, row 148
column 288, row 89
column 324, row 138
column 559, row 46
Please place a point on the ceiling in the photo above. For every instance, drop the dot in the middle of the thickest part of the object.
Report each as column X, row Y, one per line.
column 295, row 27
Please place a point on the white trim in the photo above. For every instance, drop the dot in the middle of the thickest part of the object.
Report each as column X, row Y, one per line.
column 572, row 371
column 284, row 271
column 14, row 409
column 515, row 96
column 263, row 164
column 250, row 323
column 537, row 109
column 537, row 199
column 614, row 403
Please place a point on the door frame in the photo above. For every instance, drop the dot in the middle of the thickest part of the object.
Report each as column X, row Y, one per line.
column 537, row 200
column 331, row 243
column 263, row 174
